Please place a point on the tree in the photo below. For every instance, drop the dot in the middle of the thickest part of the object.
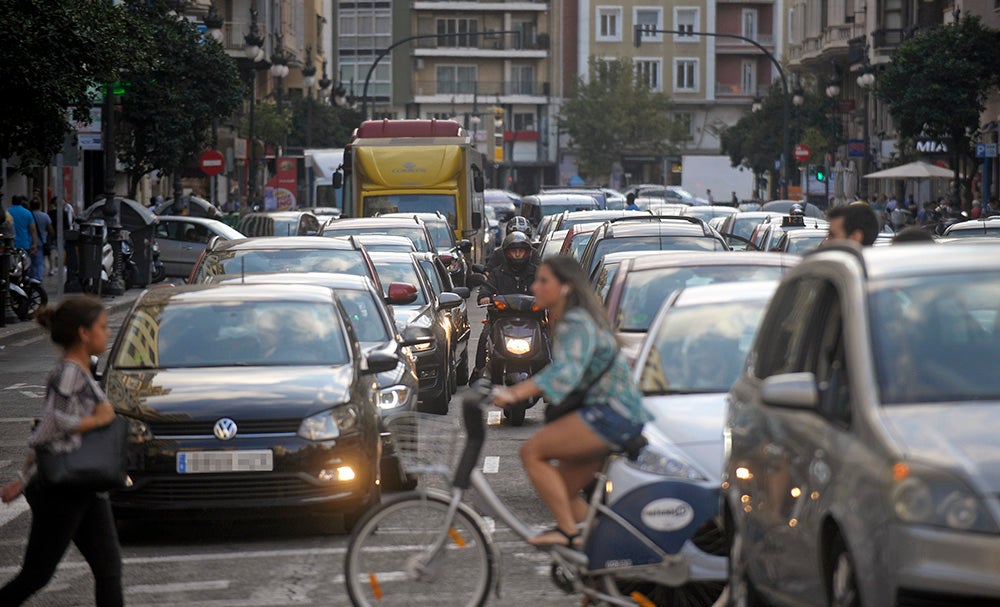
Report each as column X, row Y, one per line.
column 172, row 99
column 938, row 82
column 613, row 112
column 331, row 125
column 56, row 54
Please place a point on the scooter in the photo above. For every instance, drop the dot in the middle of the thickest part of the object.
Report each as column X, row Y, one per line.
column 517, row 346
column 159, row 270
column 26, row 294
column 129, row 269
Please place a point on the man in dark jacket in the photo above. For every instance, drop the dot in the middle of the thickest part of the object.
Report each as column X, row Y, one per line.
column 513, row 275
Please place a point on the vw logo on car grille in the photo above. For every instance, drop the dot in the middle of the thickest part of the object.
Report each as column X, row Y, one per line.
column 225, row 429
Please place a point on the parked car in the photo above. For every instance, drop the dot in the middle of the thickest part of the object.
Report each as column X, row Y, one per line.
column 414, row 229
column 596, row 193
column 604, row 274
column 505, row 203
column 248, row 398
column 534, row 208
column 710, row 212
column 284, row 223
column 669, row 193
column 552, row 243
column 439, row 281
column 862, row 453
column 650, row 233
column 190, row 206
column 568, row 219
column 182, row 240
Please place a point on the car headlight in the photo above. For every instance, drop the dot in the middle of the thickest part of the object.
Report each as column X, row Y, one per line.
column 138, row 430
column 517, row 345
column 330, row 424
column 422, row 347
column 924, row 496
column 655, row 459
column 392, row 397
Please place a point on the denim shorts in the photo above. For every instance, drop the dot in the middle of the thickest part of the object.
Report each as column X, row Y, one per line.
column 613, row 427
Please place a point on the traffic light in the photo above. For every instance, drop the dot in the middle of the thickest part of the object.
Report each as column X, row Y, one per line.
column 498, row 134
column 817, row 172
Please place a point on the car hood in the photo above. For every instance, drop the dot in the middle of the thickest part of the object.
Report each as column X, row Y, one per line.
column 208, row 394
column 694, row 423
column 411, row 315
column 958, row 436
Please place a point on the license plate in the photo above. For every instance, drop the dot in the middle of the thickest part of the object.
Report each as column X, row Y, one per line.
column 209, row 462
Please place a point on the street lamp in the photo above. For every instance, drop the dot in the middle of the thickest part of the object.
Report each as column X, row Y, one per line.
column 213, row 23
column 798, row 95
column 324, row 82
column 866, row 81
column 253, row 49
column 832, row 91
column 308, row 72
column 757, row 105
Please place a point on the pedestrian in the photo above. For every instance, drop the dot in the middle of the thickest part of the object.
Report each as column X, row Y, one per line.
column 734, row 200
column 977, row 209
column 630, row 204
column 74, row 405
column 25, row 232
column 43, row 224
column 585, row 358
column 708, row 195
column 855, row 222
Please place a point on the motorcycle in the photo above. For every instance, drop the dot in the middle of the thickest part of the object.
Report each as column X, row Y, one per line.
column 517, row 346
column 129, row 269
column 159, row 270
column 25, row 294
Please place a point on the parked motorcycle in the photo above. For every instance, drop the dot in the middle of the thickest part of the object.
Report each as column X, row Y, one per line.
column 517, row 346
column 25, row 294
column 159, row 270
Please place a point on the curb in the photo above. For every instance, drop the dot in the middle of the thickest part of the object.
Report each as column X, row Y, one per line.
column 29, row 327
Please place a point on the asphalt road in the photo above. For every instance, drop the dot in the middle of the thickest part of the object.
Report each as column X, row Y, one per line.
column 228, row 563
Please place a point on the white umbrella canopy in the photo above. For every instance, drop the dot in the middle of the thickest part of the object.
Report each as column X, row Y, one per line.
column 913, row 170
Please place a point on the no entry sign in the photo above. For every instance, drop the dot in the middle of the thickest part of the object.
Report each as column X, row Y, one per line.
column 801, row 152
column 212, row 162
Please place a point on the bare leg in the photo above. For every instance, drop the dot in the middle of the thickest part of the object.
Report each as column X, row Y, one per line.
column 576, row 476
column 566, row 439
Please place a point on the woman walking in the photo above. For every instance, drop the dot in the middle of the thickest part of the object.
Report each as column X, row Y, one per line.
column 585, row 354
column 74, row 405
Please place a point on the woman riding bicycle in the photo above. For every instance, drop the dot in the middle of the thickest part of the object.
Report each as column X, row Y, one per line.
column 584, row 353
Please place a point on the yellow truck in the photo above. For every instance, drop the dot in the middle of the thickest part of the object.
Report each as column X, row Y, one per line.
column 416, row 166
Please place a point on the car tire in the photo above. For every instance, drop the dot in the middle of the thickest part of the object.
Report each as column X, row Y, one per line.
column 842, row 582
column 741, row 590
column 351, row 517
column 515, row 414
column 438, row 403
column 462, row 371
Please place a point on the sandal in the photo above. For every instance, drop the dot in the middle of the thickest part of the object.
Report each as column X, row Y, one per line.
column 572, row 540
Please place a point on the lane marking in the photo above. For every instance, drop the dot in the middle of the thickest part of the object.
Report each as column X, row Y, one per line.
column 9, row 512
column 30, row 340
column 178, row 587
column 494, row 417
column 491, row 464
column 16, row 420
column 27, row 389
column 5, row 462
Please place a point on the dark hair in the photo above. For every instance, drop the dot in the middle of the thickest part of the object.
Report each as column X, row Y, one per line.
column 630, row 197
column 568, row 271
column 63, row 322
column 912, row 234
column 857, row 217
column 36, row 205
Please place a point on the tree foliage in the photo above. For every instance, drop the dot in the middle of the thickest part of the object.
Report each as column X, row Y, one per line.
column 172, row 98
column 331, row 125
column 938, row 82
column 55, row 51
column 614, row 112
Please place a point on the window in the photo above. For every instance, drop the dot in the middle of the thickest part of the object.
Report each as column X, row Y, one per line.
column 524, row 121
column 438, row 116
column 460, row 33
column 685, row 125
column 522, row 80
column 456, row 79
column 686, row 75
column 650, row 73
column 609, row 24
column 650, row 19
column 748, row 77
column 686, row 20
column 361, row 33
column 782, row 349
column 826, row 358
column 603, row 69
column 750, row 23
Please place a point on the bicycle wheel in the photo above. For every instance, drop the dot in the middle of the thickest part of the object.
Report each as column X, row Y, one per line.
column 383, row 558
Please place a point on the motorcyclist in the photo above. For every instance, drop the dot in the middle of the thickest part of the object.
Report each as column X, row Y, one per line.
column 513, row 275
column 515, row 224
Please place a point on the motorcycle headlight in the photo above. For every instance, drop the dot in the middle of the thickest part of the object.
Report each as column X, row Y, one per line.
column 659, row 460
column 392, row 397
column 138, row 430
column 330, row 424
column 924, row 496
column 517, row 345
column 422, row 347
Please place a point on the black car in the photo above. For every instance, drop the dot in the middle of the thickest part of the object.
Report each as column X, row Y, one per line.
column 453, row 253
column 414, row 229
column 436, row 363
column 245, row 397
column 653, row 233
column 461, row 331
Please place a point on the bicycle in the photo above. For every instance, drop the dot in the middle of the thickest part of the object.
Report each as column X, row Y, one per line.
column 429, row 547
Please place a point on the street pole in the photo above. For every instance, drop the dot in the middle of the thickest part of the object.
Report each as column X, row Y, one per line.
column 60, row 230
column 116, row 283
column 252, row 151
column 786, row 92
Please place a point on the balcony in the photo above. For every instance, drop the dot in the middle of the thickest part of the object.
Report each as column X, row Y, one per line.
column 465, row 6
column 736, row 90
column 731, row 46
column 484, row 44
column 888, row 39
column 233, row 32
column 466, row 92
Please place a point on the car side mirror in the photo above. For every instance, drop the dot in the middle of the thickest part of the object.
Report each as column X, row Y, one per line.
column 94, row 368
column 338, row 180
column 476, row 279
column 477, row 220
column 478, row 267
column 790, row 391
column 465, row 246
column 401, row 293
column 463, row 292
column 447, row 301
column 415, row 336
column 380, row 362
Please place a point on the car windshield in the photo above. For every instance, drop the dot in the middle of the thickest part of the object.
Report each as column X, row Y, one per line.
column 400, row 271
column 578, row 244
column 700, row 348
column 416, row 234
column 556, row 209
column 270, row 261
column 441, row 235
column 412, row 203
column 645, row 291
column 804, row 244
column 938, row 338
column 432, row 276
column 654, row 243
column 238, row 333
column 554, row 244
column 605, row 280
column 744, row 226
column 285, row 227
column 363, row 313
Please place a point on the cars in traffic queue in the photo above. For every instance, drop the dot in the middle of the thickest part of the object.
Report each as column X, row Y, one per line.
column 670, row 193
column 657, row 233
column 270, row 255
column 411, row 228
column 568, row 219
column 768, row 232
column 436, row 362
column 439, row 281
column 861, row 462
column 689, row 360
column 782, row 207
column 382, row 242
column 800, row 242
column 183, row 239
column 642, row 284
column 283, row 223
column 503, row 202
column 454, row 254
column 538, row 206
column 245, row 397
column 974, row 227
column 596, row 193
column 552, row 243
column 742, row 225
column 614, row 200
column 656, row 206
column 604, row 274
column 577, row 239
column 710, row 212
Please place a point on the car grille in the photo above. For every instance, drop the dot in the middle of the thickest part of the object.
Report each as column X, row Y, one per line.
column 711, row 539
column 906, row 597
column 220, row 488
column 205, row 428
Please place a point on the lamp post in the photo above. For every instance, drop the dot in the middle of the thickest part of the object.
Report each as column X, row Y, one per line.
column 308, row 80
column 279, row 69
column 253, row 42
column 799, row 98
column 832, row 91
column 213, row 23
column 866, row 81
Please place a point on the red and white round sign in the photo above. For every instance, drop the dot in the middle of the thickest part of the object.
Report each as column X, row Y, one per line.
column 212, row 162
column 801, row 152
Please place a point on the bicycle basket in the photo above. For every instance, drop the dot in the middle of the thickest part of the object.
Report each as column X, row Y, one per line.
column 425, row 443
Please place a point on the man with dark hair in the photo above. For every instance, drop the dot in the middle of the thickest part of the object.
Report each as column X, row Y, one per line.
column 912, row 234
column 856, row 221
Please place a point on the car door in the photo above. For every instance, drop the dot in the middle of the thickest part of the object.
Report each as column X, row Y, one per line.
column 195, row 238
column 170, row 247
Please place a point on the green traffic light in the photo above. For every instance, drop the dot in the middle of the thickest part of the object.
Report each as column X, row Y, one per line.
column 820, row 175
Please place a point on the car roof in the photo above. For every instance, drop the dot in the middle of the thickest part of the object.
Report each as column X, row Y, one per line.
column 330, row 280
column 601, row 214
column 757, row 214
column 426, row 217
column 664, row 227
column 805, row 233
column 670, row 259
column 546, row 198
column 284, row 242
column 620, row 256
column 381, row 239
column 211, row 293
column 278, row 214
column 391, row 256
column 580, row 228
column 206, row 221
column 405, row 220
column 914, row 259
column 974, row 224
column 725, row 292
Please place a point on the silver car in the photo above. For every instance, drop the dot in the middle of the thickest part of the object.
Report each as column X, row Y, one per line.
column 863, row 465
column 182, row 240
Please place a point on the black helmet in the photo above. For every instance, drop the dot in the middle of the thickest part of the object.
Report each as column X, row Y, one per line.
column 516, row 240
column 797, row 211
column 519, row 224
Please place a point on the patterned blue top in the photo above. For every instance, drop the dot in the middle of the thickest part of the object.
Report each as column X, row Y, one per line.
column 580, row 351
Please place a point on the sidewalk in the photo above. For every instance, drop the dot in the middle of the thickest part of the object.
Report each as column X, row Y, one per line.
column 18, row 328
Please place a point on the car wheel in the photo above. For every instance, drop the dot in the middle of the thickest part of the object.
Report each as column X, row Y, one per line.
column 462, row 371
column 351, row 517
column 438, row 403
column 515, row 414
column 741, row 590
column 453, row 381
column 843, row 582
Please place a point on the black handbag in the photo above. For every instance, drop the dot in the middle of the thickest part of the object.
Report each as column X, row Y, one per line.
column 574, row 400
column 98, row 465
